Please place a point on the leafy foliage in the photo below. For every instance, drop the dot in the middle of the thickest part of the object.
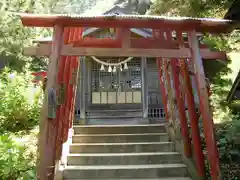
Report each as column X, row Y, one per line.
column 20, row 108
column 16, row 163
column 228, row 136
column 194, row 8
column 20, row 105
column 74, row 6
column 13, row 36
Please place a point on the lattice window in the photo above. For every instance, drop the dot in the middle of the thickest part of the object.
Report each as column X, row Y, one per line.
column 156, row 113
column 126, row 79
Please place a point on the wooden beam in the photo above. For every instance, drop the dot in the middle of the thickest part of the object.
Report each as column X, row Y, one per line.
column 196, row 139
column 180, row 101
column 162, row 86
column 45, row 141
column 45, row 50
column 162, row 78
column 207, row 54
column 125, row 38
column 205, row 109
column 41, row 50
column 153, row 43
column 169, row 93
column 96, row 42
column 120, row 52
column 144, row 88
column 62, row 76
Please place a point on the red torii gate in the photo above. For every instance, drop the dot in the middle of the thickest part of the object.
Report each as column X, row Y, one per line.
column 39, row 76
column 173, row 56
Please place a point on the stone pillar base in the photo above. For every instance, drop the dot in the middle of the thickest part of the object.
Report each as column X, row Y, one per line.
column 143, row 121
column 83, row 121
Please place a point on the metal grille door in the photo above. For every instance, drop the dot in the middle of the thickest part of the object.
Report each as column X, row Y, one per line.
column 155, row 105
column 116, row 87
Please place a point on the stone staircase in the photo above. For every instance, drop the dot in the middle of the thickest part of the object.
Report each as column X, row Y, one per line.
column 121, row 152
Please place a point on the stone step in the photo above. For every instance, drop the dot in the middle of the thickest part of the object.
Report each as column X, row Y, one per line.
column 114, row 110
column 119, row 129
column 124, row 158
column 114, row 120
column 108, row 114
column 126, row 171
column 175, row 178
column 122, row 147
column 120, row 138
column 120, row 116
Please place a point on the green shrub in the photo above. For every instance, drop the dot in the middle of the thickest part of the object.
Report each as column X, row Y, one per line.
column 16, row 163
column 19, row 102
column 20, row 105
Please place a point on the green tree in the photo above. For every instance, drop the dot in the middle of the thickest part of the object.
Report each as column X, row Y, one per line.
column 13, row 36
column 192, row 8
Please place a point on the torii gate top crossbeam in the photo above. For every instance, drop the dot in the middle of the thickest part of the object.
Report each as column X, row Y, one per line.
column 129, row 21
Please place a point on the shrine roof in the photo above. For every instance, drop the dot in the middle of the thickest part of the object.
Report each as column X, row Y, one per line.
column 128, row 21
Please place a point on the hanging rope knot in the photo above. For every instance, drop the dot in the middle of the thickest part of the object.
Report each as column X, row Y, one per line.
column 114, row 65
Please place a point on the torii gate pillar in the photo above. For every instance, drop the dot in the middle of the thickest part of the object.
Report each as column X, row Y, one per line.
column 204, row 106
